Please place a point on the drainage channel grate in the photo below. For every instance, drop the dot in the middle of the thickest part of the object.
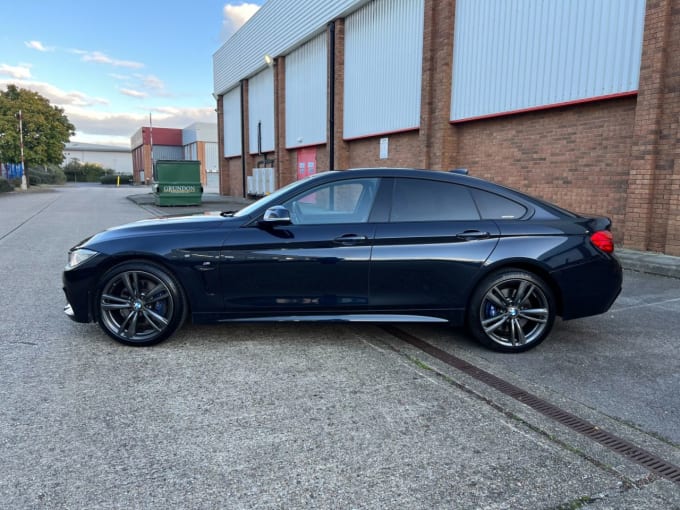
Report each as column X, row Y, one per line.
column 621, row 446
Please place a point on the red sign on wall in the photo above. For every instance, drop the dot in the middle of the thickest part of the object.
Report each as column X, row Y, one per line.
column 306, row 162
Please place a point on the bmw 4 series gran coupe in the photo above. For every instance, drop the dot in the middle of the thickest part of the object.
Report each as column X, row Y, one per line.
column 378, row 245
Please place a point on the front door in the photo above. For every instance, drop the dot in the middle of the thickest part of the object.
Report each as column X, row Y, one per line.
column 317, row 264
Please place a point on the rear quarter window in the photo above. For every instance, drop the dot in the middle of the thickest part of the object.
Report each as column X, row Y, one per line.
column 496, row 207
column 425, row 200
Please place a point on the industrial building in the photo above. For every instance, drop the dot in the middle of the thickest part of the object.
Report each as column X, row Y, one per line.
column 576, row 102
column 197, row 141
column 107, row 156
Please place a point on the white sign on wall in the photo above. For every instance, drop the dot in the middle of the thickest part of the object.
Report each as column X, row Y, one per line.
column 384, row 148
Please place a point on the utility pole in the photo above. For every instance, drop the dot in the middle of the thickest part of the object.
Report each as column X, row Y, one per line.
column 24, row 171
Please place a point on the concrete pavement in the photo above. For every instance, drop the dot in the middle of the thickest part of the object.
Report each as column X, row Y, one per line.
column 306, row 415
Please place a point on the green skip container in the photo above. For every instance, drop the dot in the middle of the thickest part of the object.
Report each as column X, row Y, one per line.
column 177, row 183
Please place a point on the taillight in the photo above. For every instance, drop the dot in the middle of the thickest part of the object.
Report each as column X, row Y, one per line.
column 604, row 240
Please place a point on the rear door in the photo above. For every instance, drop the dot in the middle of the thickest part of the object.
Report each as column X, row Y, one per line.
column 427, row 255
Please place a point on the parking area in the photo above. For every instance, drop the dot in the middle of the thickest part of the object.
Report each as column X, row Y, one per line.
column 309, row 415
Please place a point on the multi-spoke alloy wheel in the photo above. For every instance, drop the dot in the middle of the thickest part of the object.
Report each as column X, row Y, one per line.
column 139, row 304
column 512, row 311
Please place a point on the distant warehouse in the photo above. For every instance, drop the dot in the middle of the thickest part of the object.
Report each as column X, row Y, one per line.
column 577, row 102
column 197, row 141
column 115, row 157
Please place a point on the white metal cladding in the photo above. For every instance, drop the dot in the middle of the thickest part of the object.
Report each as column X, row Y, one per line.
column 276, row 29
column 191, row 151
column 512, row 55
column 231, row 105
column 261, row 110
column 306, row 93
column 199, row 132
column 383, row 67
column 211, row 161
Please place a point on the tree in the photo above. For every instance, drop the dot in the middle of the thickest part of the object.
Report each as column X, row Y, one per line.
column 76, row 171
column 45, row 128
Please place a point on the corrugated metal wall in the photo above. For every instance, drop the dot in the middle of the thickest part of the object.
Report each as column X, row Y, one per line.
column 191, row 151
column 211, row 160
column 306, row 93
column 276, row 29
column 168, row 152
column 512, row 55
column 261, row 109
column 231, row 105
column 383, row 67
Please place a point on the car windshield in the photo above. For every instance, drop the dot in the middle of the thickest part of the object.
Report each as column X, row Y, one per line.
column 271, row 199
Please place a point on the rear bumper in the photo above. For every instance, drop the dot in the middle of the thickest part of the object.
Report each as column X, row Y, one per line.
column 590, row 288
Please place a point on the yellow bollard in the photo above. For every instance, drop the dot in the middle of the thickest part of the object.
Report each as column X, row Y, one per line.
column 118, row 182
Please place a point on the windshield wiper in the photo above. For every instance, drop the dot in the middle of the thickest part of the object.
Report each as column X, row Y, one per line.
column 225, row 214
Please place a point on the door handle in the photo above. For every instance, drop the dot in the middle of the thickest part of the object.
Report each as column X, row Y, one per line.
column 473, row 234
column 350, row 239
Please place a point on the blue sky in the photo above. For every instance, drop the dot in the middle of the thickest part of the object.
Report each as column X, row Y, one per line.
column 109, row 64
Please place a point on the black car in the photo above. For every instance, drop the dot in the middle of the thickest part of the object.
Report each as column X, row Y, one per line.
column 378, row 245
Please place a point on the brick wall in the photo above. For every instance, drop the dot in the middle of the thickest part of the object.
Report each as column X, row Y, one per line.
column 576, row 156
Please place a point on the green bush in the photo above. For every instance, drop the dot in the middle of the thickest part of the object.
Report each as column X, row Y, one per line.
column 5, row 186
column 84, row 172
column 113, row 179
column 47, row 175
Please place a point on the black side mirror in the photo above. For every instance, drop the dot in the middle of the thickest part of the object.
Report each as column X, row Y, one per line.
column 276, row 215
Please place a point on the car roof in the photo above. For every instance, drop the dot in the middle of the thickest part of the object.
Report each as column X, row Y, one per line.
column 458, row 178
column 455, row 177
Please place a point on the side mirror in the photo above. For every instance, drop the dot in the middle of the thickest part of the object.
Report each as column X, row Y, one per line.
column 276, row 215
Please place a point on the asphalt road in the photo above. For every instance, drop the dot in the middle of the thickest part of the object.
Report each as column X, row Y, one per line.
column 313, row 416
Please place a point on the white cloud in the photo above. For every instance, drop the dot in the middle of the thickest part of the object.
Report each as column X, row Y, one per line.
column 100, row 123
column 95, row 123
column 152, row 82
column 55, row 95
column 133, row 93
column 235, row 16
column 37, row 45
column 102, row 58
column 20, row 72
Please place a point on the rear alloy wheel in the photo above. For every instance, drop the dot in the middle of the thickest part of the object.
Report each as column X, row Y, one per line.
column 139, row 304
column 511, row 311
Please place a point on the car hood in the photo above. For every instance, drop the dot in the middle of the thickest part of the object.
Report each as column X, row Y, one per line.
column 165, row 225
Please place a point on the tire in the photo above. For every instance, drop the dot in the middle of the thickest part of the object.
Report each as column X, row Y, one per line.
column 511, row 310
column 139, row 303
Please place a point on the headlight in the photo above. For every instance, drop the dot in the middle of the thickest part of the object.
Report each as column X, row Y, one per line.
column 77, row 257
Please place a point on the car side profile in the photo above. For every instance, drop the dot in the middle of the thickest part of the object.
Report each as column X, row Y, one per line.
column 375, row 245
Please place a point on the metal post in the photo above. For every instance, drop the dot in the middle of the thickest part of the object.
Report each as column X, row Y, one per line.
column 331, row 93
column 24, row 179
column 150, row 143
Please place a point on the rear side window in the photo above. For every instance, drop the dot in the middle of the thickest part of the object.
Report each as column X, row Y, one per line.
column 496, row 207
column 425, row 200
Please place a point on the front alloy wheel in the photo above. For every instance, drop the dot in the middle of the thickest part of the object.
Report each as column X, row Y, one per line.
column 512, row 311
column 139, row 304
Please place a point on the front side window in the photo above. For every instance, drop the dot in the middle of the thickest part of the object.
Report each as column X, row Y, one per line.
column 348, row 201
column 425, row 200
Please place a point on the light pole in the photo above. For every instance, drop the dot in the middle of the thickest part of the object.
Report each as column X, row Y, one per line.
column 24, row 179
